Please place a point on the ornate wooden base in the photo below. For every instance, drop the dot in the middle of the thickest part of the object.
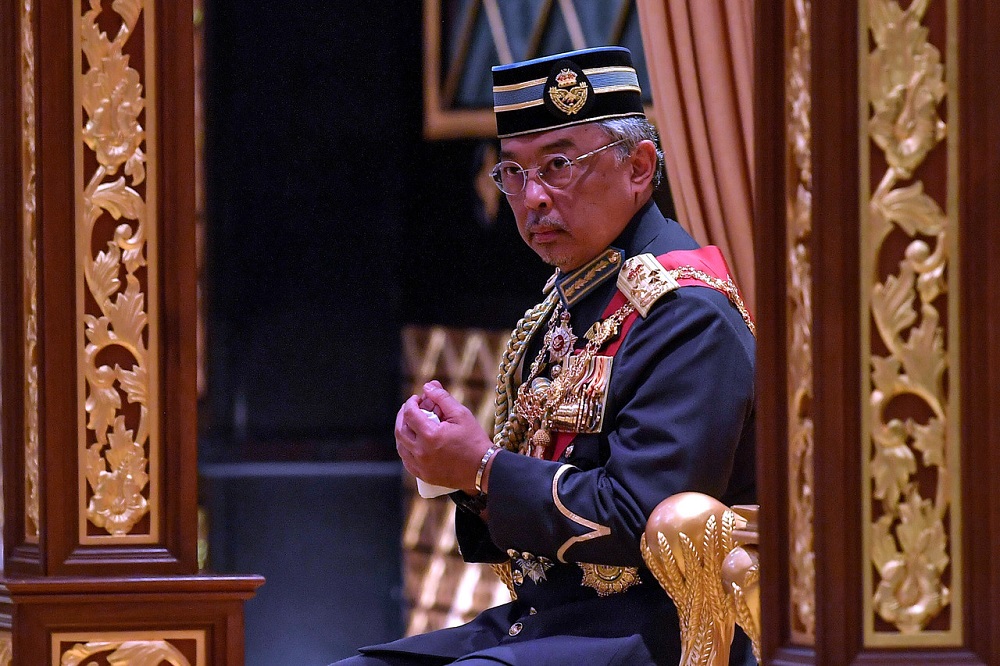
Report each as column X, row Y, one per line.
column 182, row 620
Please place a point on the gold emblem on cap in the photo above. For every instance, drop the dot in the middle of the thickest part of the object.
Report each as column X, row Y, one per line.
column 568, row 95
column 566, row 78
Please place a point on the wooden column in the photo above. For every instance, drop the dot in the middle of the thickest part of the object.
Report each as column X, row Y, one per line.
column 876, row 257
column 97, row 267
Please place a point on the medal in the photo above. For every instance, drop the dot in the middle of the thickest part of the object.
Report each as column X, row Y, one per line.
column 559, row 340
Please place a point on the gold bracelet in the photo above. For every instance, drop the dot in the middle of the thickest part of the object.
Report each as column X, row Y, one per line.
column 490, row 452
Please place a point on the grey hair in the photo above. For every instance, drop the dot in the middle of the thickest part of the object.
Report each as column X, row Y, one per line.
column 632, row 130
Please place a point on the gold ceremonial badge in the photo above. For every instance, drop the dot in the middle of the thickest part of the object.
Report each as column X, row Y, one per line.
column 607, row 579
column 568, row 95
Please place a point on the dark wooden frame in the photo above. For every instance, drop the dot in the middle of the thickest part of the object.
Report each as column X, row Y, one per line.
column 836, row 329
column 978, row 201
column 214, row 606
column 56, row 584
column 57, row 552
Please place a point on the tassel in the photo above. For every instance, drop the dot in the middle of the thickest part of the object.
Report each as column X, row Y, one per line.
column 540, row 442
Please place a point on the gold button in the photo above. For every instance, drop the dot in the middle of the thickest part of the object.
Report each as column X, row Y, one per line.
column 515, row 629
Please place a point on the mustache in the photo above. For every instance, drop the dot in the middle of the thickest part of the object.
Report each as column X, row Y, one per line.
column 543, row 222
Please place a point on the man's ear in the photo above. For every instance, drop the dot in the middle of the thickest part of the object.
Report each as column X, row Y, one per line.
column 643, row 161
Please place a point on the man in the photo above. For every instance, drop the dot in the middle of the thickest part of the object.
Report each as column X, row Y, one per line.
column 632, row 381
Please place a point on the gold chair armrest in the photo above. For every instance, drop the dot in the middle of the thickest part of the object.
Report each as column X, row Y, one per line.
column 705, row 556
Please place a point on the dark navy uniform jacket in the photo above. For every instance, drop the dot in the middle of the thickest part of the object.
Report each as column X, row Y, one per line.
column 679, row 417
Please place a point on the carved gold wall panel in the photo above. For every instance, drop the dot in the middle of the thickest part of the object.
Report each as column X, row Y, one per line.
column 117, row 273
column 30, row 272
column 139, row 648
column 798, row 272
column 909, row 249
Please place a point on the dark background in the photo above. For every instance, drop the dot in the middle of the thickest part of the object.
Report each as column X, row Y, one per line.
column 330, row 224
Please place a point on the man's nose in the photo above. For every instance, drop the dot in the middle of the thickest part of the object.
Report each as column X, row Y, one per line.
column 536, row 195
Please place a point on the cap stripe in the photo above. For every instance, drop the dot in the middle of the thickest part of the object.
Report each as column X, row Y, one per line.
column 605, row 70
column 509, row 100
column 528, row 94
column 518, row 106
column 615, row 77
column 608, row 89
column 518, row 86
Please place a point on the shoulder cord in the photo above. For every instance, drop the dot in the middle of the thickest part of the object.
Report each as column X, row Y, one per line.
column 727, row 287
column 508, row 431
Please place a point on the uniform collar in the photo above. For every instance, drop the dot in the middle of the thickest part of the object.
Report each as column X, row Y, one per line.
column 577, row 284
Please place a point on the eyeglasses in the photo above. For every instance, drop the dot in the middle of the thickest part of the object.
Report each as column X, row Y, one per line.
column 555, row 171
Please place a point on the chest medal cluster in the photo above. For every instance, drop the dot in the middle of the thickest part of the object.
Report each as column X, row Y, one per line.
column 573, row 397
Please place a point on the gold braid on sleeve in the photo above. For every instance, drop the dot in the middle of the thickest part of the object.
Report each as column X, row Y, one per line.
column 509, row 430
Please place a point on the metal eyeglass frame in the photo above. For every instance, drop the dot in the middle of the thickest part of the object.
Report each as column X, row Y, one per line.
column 546, row 165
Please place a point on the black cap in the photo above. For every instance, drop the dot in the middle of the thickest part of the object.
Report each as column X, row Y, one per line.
column 565, row 89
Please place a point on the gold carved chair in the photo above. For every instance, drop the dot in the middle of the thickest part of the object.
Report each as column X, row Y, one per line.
column 704, row 554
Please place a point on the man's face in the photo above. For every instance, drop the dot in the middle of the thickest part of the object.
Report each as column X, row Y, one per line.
column 568, row 227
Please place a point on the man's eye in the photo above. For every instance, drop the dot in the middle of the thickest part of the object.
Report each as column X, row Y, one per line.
column 557, row 163
column 510, row 170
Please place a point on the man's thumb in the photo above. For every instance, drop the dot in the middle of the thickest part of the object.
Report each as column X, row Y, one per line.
column 444, row 400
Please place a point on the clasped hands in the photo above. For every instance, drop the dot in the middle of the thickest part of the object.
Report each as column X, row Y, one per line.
column 445, row 453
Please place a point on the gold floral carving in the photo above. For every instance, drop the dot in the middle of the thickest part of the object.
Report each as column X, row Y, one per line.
column 689, row 547
column 30, row 272
column 802, row 569
column 913, row 530
column 114, row 460
column 126, row 653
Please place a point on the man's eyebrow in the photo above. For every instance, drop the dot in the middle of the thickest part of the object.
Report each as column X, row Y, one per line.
column 554, row 146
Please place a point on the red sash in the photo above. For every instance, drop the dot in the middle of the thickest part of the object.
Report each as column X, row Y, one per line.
column 707, row 259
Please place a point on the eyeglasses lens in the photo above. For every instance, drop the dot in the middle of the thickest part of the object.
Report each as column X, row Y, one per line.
column 556, row 171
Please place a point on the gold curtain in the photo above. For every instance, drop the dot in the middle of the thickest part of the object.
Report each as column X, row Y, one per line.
column 699, row 54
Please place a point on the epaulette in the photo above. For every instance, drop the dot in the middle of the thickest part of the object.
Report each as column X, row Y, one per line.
column 643, row 280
